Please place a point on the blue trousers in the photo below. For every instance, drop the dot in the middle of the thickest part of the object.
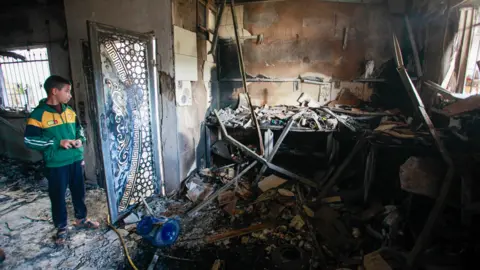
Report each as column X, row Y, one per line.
column 58, row 180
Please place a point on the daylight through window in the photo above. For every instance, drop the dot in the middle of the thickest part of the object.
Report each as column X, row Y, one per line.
column 21, row 78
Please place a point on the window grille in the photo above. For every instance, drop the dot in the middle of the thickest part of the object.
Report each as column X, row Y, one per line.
column 21, row 80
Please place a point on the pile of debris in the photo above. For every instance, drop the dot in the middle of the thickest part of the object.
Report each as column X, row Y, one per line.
column 277, row 117
column 22, row 175
column 279, row 223
column 352, row 215
column 353, row 113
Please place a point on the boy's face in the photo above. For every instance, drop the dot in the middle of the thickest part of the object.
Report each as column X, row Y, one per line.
column 62, row 95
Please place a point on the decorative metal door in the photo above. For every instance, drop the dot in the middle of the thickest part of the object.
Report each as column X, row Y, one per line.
column 127, row 111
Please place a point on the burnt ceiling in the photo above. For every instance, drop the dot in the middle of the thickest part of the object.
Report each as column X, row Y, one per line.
column 28, row 3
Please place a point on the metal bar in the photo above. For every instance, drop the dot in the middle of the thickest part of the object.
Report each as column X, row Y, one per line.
column 251, row 153
column 440, row 89
column 474, row 68
column 345, row 123
column 30, row 82
column 221, row 190
column 7, row 93
column 23, row 77
column 33, row 91
column 270, row 157
column 40, row 75
column 26, row 61
column 33, row 85
column 244, row 77
column 43, row 73
column 437, row 209
column 465, row 47
column 333, row 180
column 418, row 104
column 18, row 78
column 217, row 26
column 154, row 109
column 413, row 43
column 10, row 91
column 11, row 86
column 314, row 82
column 370, row 167
column 149, row 210
column 345, row 38
column 398, row 52
column 261, row 80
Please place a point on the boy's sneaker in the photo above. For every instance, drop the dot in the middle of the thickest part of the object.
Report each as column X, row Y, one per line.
column 86, row 224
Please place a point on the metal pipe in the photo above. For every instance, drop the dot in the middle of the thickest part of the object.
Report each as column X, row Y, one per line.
column 416, row 57
column 398, row 52
column 345, row 38
column 370, row 80
column 32, row 85
column 221, row 190
column 345, row 123
column 18, row 82
column 333, row 180
column 6, row 79
column 437, row 209
column 370, row 168
column 277, row 145
column 244, row 77
column 276, row 80
column 254, row 155
column 38, row 76
column 260, row 80
column 440, row 89
column 314, row 82
column 217, row 26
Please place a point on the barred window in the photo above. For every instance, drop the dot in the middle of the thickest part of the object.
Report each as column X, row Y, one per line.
column 22, row 73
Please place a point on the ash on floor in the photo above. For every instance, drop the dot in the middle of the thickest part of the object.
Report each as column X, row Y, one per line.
column 26, row 229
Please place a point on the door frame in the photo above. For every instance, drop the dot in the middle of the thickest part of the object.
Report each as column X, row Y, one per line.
column 94, row 29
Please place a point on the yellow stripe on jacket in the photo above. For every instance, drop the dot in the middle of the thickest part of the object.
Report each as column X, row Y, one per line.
column 51, row 119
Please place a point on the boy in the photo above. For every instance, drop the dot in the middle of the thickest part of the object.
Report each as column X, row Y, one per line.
column 53, row 129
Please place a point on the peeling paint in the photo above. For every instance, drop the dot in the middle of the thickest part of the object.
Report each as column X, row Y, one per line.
column 167, row 86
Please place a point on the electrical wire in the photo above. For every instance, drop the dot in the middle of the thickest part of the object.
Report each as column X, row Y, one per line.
column 123, row 243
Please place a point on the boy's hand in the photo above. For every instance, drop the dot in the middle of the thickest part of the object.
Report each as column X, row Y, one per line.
column 77, row 143
column 66, row 144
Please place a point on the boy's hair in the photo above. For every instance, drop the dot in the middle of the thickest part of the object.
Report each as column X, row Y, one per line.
column 55, row 81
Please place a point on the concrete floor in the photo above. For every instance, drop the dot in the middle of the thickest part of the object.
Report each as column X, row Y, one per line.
column 26, row 230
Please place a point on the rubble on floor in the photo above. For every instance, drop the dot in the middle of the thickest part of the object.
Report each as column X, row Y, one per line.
column 362, row 205
column 26, row 229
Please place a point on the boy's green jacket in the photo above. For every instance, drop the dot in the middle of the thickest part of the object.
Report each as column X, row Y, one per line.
column 46, row 128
